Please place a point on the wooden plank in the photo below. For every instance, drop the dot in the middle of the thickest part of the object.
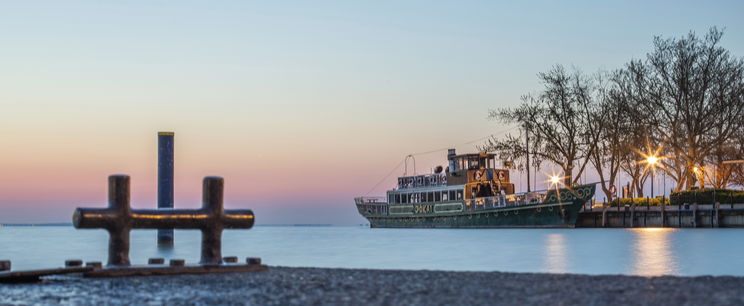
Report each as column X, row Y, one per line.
column 170, row 270
column 35, row 275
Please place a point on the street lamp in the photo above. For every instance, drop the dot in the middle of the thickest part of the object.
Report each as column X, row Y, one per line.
column 652, row 160
column 698, row 171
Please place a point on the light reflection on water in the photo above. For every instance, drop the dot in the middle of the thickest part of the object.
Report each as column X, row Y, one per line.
column 555, row 254
column 586, row 251
column 653, row 252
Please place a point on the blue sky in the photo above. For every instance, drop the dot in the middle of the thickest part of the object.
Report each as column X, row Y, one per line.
column 338, row 91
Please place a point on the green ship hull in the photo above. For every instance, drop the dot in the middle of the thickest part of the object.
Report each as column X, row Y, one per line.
column 560, row 208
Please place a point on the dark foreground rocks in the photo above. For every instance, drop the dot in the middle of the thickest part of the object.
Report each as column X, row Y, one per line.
column 314, row 286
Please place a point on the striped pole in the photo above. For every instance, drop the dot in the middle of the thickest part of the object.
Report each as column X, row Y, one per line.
column 165, row 181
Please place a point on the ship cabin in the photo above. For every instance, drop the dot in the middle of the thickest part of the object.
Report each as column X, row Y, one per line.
column 479, row 175
column 471, row 179
column 467, row 176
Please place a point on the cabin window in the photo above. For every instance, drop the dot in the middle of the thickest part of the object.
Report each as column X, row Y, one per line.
column 445, row 196
column 452, row 195
column 437, row 196
column 397, row 198
column 422, row 197
column 474, row 164
column 404, row 198
column 459, row 195
column 430, row 197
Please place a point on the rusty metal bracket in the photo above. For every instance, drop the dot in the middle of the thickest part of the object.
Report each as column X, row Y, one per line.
column 119, row 218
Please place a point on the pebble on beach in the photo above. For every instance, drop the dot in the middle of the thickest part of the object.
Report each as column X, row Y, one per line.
column 302, row 286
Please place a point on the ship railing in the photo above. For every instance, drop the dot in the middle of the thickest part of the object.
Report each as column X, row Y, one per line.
column 495, row 202
column 370, row 200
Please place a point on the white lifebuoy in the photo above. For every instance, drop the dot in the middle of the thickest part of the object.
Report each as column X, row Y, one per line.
column 478, row 175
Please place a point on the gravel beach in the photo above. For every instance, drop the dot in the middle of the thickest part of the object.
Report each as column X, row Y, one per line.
column 317, row 286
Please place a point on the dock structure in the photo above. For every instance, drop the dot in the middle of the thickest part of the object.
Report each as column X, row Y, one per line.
column 165, row 182
column 676, row 216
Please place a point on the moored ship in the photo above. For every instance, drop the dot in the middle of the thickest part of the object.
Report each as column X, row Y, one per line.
column 471, row 193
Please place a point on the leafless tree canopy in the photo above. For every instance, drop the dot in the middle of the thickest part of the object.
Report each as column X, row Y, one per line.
column 557, row 122
column 683, row 102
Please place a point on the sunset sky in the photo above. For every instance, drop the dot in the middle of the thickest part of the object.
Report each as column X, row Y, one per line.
column 300, row 106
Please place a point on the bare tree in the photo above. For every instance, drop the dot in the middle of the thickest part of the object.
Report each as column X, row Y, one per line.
column 558, row 120
column 611, row 120
column 691, row 90
column 633, row 134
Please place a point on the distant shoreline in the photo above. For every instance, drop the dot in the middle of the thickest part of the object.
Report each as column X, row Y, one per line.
column 259, row 225
column 33, row 224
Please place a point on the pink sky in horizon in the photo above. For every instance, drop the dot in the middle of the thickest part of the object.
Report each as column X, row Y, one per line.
column 300, row 107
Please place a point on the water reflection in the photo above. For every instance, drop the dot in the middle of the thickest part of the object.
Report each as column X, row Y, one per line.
column 165, row 251
column 652, row 254
column 555, row 251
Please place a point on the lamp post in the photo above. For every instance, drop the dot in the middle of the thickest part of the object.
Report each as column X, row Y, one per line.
column 652, row 160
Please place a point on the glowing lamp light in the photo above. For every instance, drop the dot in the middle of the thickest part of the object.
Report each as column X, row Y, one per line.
column 555, row 180
column 652, row 160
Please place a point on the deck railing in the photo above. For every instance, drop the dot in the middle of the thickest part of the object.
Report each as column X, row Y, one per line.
column 370, row 200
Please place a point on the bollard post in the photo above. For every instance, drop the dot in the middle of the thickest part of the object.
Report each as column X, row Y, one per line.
column 118, row 228
column 4, row 265
column 663, row 211
column 645, row 214
column 679, row 212
column 119, row 219
column 165, row 181
column 212, row 188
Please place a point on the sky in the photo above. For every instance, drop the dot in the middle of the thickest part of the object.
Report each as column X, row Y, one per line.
column 299, row 105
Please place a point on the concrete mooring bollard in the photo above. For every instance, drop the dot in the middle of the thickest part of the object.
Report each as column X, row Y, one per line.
column 156, row 261
column 4, row 265
column 119, row 218
column 253, row 260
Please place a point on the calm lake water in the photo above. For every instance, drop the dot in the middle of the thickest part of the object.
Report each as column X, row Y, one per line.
column 588, row 251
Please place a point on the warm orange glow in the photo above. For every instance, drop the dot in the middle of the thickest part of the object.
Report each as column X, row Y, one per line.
column 654, row 229
column 142, row 216
column 653, row 254
column 651, row 158
column 555, row 180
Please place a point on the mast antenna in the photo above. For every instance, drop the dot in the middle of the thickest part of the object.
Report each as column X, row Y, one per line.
column 405, row 172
